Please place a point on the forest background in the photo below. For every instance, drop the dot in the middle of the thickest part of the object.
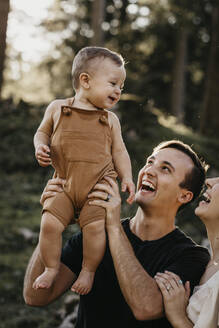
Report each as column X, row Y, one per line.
column 171, row 48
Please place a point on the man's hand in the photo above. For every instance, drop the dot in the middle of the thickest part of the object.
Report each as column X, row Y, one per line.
column 108, row 197
column 52, row 187
column 42, row 155
column 128, row 185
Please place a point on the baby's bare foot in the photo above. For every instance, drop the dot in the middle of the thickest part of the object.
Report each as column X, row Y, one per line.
column 84, row 282
column 46, row 279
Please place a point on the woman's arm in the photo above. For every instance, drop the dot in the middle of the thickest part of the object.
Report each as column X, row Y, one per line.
column 175, row 297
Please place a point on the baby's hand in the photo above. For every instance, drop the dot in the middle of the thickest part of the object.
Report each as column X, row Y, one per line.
column 128, row 185
column 43, row 155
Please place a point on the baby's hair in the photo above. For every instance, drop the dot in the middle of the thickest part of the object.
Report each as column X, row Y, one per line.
column 82, row 60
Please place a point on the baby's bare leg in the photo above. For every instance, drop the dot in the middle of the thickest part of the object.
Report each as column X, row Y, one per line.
column 94, row 244
column 50, row 242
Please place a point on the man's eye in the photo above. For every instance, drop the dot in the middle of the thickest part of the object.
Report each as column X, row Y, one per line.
column 166, row 168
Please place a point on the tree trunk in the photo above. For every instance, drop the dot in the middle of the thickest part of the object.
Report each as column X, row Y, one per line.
column 4, row 10
column 98, row 14
column 209, row 123
column 178, row 84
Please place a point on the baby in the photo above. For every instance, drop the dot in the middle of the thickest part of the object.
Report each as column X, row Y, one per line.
column 83, row 142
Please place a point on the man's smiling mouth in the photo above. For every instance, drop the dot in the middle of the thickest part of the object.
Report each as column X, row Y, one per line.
column 147, row 186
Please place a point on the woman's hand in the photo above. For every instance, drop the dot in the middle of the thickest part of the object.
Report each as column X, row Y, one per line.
column 107, row 196
column 175, row 297
column 52, row 187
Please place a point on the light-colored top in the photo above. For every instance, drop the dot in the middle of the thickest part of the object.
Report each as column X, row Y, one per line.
column 203, row 308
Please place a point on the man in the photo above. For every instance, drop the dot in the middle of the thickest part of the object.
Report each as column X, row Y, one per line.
column 125, row 293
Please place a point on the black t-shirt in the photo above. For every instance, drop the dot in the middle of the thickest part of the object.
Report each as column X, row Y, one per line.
column 105, row 305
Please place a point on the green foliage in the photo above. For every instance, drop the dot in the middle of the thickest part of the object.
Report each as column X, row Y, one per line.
column 144, row 32
column 17, row 124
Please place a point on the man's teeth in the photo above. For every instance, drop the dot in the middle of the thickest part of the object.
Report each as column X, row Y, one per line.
column 148, row 186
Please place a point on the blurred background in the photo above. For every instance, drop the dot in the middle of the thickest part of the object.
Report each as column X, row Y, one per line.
column 171, row 48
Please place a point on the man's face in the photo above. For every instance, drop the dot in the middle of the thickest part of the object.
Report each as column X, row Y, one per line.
column 159, row 180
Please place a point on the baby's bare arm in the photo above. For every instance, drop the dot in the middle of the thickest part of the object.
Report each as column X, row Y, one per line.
column 44, row 132
column 119, row 152
column 121, row 157
column 42, row 150
column 46, row 127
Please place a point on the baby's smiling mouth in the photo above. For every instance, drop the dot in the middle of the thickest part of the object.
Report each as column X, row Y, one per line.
column 112, row 98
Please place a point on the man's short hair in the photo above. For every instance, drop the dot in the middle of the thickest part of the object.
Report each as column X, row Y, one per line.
column 83, row 59
column 195, row 178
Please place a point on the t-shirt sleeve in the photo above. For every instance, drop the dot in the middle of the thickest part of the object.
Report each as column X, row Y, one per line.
column 72, row 253
column 190, row 265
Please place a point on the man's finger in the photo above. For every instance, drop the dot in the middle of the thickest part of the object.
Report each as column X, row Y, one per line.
column 103, row 187
column 112, row 183
column 98, row 194
column 46, row 195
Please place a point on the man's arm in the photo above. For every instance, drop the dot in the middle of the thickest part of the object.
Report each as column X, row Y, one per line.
column 65, row 277
column 139, row 289
column 41, row 297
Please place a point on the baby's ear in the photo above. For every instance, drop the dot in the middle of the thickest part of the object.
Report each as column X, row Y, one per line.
column 84, row 79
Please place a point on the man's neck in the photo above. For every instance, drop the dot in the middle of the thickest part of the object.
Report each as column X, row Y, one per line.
column 151, row 227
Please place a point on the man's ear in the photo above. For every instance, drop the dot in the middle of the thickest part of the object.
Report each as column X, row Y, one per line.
column 185, row 196
column 84, row 79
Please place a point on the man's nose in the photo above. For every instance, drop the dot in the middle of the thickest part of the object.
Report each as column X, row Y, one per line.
column 150, row 170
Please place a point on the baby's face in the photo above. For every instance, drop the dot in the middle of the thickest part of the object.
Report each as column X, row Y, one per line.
column 106, row 83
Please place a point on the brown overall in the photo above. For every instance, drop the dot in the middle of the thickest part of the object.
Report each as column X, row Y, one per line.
column 81, row 154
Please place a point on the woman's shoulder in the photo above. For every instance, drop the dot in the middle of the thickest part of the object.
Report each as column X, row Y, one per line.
column 207, row 288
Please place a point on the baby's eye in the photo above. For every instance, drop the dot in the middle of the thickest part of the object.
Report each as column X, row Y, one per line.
column 113, row 83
